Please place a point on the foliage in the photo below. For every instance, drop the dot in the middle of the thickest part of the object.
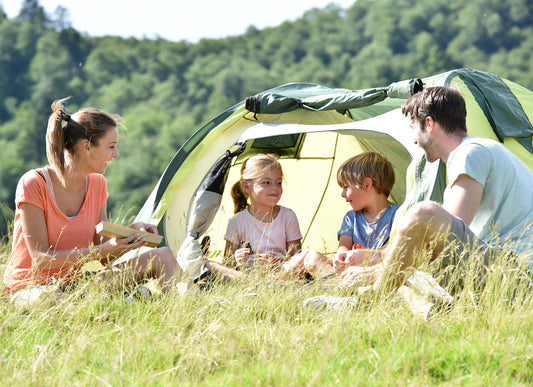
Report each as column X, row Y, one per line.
column 166, row 90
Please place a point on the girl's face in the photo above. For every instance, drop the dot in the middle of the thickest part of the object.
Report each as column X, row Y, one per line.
column 355, row 194
column 100, row 155
column 266, row 190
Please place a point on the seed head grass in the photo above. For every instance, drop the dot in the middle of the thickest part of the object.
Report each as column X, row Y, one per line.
column 257, row 332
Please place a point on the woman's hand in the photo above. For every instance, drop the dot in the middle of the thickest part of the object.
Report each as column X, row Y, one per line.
column 147, row 227
column 115, row 247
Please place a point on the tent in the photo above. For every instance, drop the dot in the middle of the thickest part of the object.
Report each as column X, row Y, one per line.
column 313, row 129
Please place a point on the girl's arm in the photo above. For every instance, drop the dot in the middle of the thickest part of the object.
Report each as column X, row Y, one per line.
column 36, row 238
column 294, row 247
column 229, row 254
column 345, row 243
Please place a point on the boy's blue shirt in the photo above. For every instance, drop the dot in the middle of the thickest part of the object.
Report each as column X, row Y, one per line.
column 368, row 235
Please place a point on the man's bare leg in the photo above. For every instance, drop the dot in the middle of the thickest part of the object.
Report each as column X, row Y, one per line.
column 425, row 226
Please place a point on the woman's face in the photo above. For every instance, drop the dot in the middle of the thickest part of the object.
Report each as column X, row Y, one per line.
column 106, row 150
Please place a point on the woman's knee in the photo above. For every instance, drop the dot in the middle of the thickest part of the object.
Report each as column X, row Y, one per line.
column 167, row 259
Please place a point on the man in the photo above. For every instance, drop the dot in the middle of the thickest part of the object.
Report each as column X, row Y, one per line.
column 488, row 198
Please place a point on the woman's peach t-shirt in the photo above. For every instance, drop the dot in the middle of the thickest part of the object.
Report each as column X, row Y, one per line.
column 63, row 233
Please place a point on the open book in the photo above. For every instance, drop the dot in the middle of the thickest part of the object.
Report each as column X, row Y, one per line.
column 117, row 231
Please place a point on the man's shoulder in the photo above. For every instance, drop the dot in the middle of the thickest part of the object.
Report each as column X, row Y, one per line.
column 479, row 142
column 477, row 147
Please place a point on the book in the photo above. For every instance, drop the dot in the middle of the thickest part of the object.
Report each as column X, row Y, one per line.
column 117, row 231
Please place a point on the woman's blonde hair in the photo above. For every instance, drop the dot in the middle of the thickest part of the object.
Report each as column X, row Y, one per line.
column 88, row 123
column 368, row 164
column 252, row 168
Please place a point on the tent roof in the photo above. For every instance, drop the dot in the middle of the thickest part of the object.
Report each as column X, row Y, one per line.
column 308, row 102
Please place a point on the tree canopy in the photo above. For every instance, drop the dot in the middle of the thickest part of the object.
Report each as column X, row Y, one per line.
column 166, row 90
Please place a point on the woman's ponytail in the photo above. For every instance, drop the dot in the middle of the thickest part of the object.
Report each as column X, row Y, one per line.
column 55, row 138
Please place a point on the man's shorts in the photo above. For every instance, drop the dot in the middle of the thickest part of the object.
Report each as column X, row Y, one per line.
column 466, row 251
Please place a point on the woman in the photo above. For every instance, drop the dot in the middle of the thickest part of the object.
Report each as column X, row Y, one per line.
column 59, row 205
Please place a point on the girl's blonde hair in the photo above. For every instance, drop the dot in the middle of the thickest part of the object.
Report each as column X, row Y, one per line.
column 86, row 124
column 368, row 164
column 253, row 168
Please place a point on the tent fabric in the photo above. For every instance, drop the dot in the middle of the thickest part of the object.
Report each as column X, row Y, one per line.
column 206, row 203
column 501, row 107
column 315, row 128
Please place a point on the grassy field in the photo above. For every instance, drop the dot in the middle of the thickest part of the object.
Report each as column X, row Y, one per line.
column 258, row 333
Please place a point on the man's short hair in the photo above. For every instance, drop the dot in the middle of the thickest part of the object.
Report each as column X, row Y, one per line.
column 444, row 104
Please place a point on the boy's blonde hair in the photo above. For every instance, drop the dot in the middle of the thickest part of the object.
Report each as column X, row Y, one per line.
column 368, row 164
column 252, row 168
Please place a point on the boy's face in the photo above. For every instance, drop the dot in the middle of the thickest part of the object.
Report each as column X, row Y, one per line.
column 354, row 194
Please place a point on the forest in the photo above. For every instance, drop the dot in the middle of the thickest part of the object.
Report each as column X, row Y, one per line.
column 166, row 90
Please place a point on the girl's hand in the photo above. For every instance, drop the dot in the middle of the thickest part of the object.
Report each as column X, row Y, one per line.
column 145, row 227
column 242, row 256
column 115, row 247
column 264, row 259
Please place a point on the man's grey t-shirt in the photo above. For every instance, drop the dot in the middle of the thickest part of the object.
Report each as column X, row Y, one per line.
column 506, row 208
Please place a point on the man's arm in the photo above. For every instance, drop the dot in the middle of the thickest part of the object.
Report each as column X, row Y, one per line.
column 463, row 198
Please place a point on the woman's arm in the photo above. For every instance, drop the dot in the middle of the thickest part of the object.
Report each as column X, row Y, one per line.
column 36, row 238
column 102, row 217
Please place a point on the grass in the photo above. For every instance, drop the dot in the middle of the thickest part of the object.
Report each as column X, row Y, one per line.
column 258, row 333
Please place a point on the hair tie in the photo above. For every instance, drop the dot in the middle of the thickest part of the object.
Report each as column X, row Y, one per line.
column 67, row 117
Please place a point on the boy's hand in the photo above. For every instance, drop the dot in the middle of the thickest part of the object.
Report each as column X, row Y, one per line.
column 345, row 259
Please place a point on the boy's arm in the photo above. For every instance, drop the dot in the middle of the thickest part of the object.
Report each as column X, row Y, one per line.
column 345, row 243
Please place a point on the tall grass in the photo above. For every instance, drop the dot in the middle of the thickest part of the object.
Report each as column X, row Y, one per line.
column 258, row 333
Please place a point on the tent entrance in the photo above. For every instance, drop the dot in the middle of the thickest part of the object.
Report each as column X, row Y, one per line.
column 310, row 180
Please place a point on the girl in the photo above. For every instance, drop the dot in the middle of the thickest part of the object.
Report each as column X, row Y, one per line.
column 59, row 205
column 262, row 233
column 366, row 180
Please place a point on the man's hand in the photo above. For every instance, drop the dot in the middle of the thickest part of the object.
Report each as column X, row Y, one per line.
column 357, row 276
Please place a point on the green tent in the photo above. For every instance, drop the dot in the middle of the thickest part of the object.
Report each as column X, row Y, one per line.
column 314, row 129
